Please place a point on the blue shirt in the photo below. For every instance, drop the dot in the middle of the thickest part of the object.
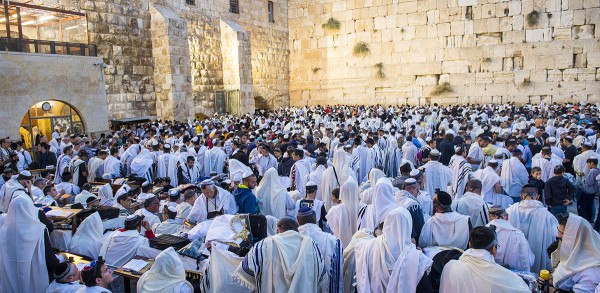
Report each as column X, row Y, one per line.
column 246, row 201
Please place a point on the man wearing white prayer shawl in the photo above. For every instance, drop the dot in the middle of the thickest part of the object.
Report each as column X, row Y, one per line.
column 121, row 245
column 406, row 198
column 490, row 181
column 143, row 165
column 437, row 176
column 391, row 262
column 580, row 162
column 374, row 176
column 128, row 156
column 62, row 163
column 112, row 166
column 392, row 159
column 350, row 259
column 169, row 225
column 105, row 193
column 89, row 237
column 461, row 171
column 167, row 165
column 329, row 246
column 167, row 275
column 286, row 262
column 576, row 260
column 475, row 156
column 213, row 201
column 343, row 218
column 316, row 175
column 273, row 198
column 384, row 202
column 472, row 204
column 198, row 151
column 335, row 176
column 66, row 279
column 445, row 227
column 409, row 151
column 513, row 251
column 360, row 153
column 375, row 155
column 476, row 271
column 546, row 161
column 263, row 160
column 150, row 209
column 96, row 165
column 22, row 249
column 299, row 172
column 537, row 224
column 513, row 175
column 188, row 172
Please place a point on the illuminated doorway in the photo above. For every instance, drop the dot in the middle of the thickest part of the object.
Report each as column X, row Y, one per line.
column 46, row 117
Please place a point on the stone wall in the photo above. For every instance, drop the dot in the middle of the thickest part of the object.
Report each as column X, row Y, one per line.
column 444, row 51
column 122, row 31
column 29, row 78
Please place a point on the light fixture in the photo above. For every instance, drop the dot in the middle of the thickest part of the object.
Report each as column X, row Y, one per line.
column 73, row 27
column 28, row 22
column 2, row 19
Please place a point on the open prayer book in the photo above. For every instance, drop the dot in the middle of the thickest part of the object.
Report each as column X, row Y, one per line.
column 135, row 265
column 57, row 213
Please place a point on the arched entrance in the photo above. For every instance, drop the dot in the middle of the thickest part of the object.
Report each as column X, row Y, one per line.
column 45, row 117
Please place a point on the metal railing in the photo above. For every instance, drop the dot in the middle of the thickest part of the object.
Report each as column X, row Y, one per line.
column 47, row 47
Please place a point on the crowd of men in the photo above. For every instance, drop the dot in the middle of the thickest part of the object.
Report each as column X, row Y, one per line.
column 463, row 198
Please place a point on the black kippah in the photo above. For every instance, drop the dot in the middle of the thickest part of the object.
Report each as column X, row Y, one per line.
column 61, row 270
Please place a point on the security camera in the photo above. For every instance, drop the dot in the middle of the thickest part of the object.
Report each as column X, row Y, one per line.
column 104, row 65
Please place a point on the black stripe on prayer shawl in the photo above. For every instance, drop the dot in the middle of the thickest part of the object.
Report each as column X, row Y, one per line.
column 258, row 257
column 335, row 272
column 361, row 214
column 463, row 174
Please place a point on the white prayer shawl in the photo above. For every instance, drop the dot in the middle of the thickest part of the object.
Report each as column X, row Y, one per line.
column 376, row 156
column 547, row 166
column 488, row 178
column 472, row 205
column 578, row 251
column 149, row 216
column 214, row 161
column 61, row 164
column 141, row 165
column 167, row 167
column 361, row 153
column 286, row 262
column 331, row 250
column 237, row 169
column 384, row 200
column 437, row 176
column 88, row 238
column 476, row 271
column 22, row 254
column 404, row 278
column 513, row 176
column 112, row 166
column 199, row 155
column 446, row 229
column 183, row 210
column 513, row 249
column 393, row 158
column 105, row 193
column 409, row 152
column 73, row 167
column 273, row 198
column 539, row 227
column 224, row 200
column 350, row 258
column 130, row 154
column 476, row 153
column 72, row 287
column 120, row 247
column 96, row 168
column 172, row 227
column 426, row 203
column 166, row 274
column 335, row 176
column 191, row 174
column 316, row 176
column 302, row 170
column 220, row 275
column 580, row 162
column 461, row 170
column 376, row 258
column 343, row 218
column 374, row 176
